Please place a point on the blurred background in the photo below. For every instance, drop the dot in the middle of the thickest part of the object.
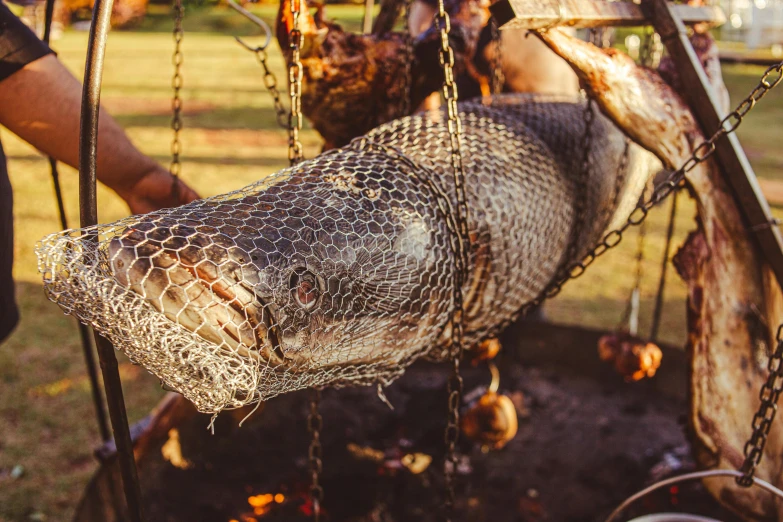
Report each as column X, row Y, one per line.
column 230, row 138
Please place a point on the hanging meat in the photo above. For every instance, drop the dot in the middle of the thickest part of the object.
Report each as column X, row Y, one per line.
column 353, row 82
column 734, row 304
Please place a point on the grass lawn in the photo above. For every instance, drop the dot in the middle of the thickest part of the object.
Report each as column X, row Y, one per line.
column 230, row 139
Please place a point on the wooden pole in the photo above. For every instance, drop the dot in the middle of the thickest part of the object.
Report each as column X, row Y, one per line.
column 534, row 14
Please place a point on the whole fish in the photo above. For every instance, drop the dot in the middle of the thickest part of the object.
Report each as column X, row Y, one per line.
column 338, row 271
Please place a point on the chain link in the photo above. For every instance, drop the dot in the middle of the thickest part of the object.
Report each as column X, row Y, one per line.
column 582, row 180
column 315, row 453
column 595, row 36
column 407, row 56
column 295, row 155
column 270, row 82
column 175, row 168
column 498, row 79
column 702, row 152
column 295, row 73
column 462, row 246
column 762, row 420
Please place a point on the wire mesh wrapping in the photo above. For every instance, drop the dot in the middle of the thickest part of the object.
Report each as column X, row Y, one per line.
column 337, row 271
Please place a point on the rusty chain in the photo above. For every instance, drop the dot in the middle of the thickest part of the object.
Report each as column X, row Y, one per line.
column 498, row 79
column 295, row 73
column 175, row 168
column 462, row 246
column 315, row 454
column 595, row 37
column 270, row 82
column 581, row 180
column 407, row 60
column 295, row 155
column 762, row 420
column 610, row 240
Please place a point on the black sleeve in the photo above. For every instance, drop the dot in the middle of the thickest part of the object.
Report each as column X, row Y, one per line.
column 18, row 44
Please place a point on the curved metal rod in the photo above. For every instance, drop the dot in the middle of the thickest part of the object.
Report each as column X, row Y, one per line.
column 256, row 20
column 687, row 477
column 84, row 332
column 88, row 212
column 493, row 370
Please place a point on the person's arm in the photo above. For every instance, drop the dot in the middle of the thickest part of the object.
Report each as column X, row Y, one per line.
column 41, row 104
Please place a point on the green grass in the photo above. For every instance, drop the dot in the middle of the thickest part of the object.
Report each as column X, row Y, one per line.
column 230, row 139
column 223, row 20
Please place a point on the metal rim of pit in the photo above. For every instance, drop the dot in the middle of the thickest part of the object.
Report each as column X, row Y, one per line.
column 678, row 479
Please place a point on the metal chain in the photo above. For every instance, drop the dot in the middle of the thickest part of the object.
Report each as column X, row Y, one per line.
column 295, row 155
column 315, row 454
column 582, row 181
column 270, row 82
column 295, row 72
column 762, row 420
column 175, row 168
column 728, row 125
column 596, row 38
column 408, row 57
column 462, row 246
column 622, row 174
column 498, row 79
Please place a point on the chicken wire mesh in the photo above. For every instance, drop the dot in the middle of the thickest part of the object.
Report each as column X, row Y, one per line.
column 337, row 271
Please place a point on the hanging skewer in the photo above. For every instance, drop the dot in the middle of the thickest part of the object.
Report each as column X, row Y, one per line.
column 534, row 14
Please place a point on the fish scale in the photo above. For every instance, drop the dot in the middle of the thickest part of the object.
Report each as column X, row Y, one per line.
column 337, row 271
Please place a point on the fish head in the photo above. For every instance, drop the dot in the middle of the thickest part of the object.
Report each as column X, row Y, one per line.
column 319, row 272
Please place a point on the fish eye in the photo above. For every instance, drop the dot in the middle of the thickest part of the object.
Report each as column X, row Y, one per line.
column 304, row 287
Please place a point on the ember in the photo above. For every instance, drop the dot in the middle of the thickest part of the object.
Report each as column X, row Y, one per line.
column 262, row 504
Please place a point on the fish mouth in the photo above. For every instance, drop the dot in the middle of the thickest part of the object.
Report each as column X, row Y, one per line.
column 199, row 295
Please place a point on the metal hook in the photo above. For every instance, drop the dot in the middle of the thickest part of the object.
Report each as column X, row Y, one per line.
column 256, row 20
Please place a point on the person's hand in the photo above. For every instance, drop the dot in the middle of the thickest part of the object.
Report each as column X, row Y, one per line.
column 156, row 190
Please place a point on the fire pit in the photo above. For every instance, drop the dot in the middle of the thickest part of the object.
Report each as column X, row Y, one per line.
column 586, row 440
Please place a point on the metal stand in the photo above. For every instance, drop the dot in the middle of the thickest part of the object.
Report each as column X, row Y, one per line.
column 88, row 155
column 84, row 333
